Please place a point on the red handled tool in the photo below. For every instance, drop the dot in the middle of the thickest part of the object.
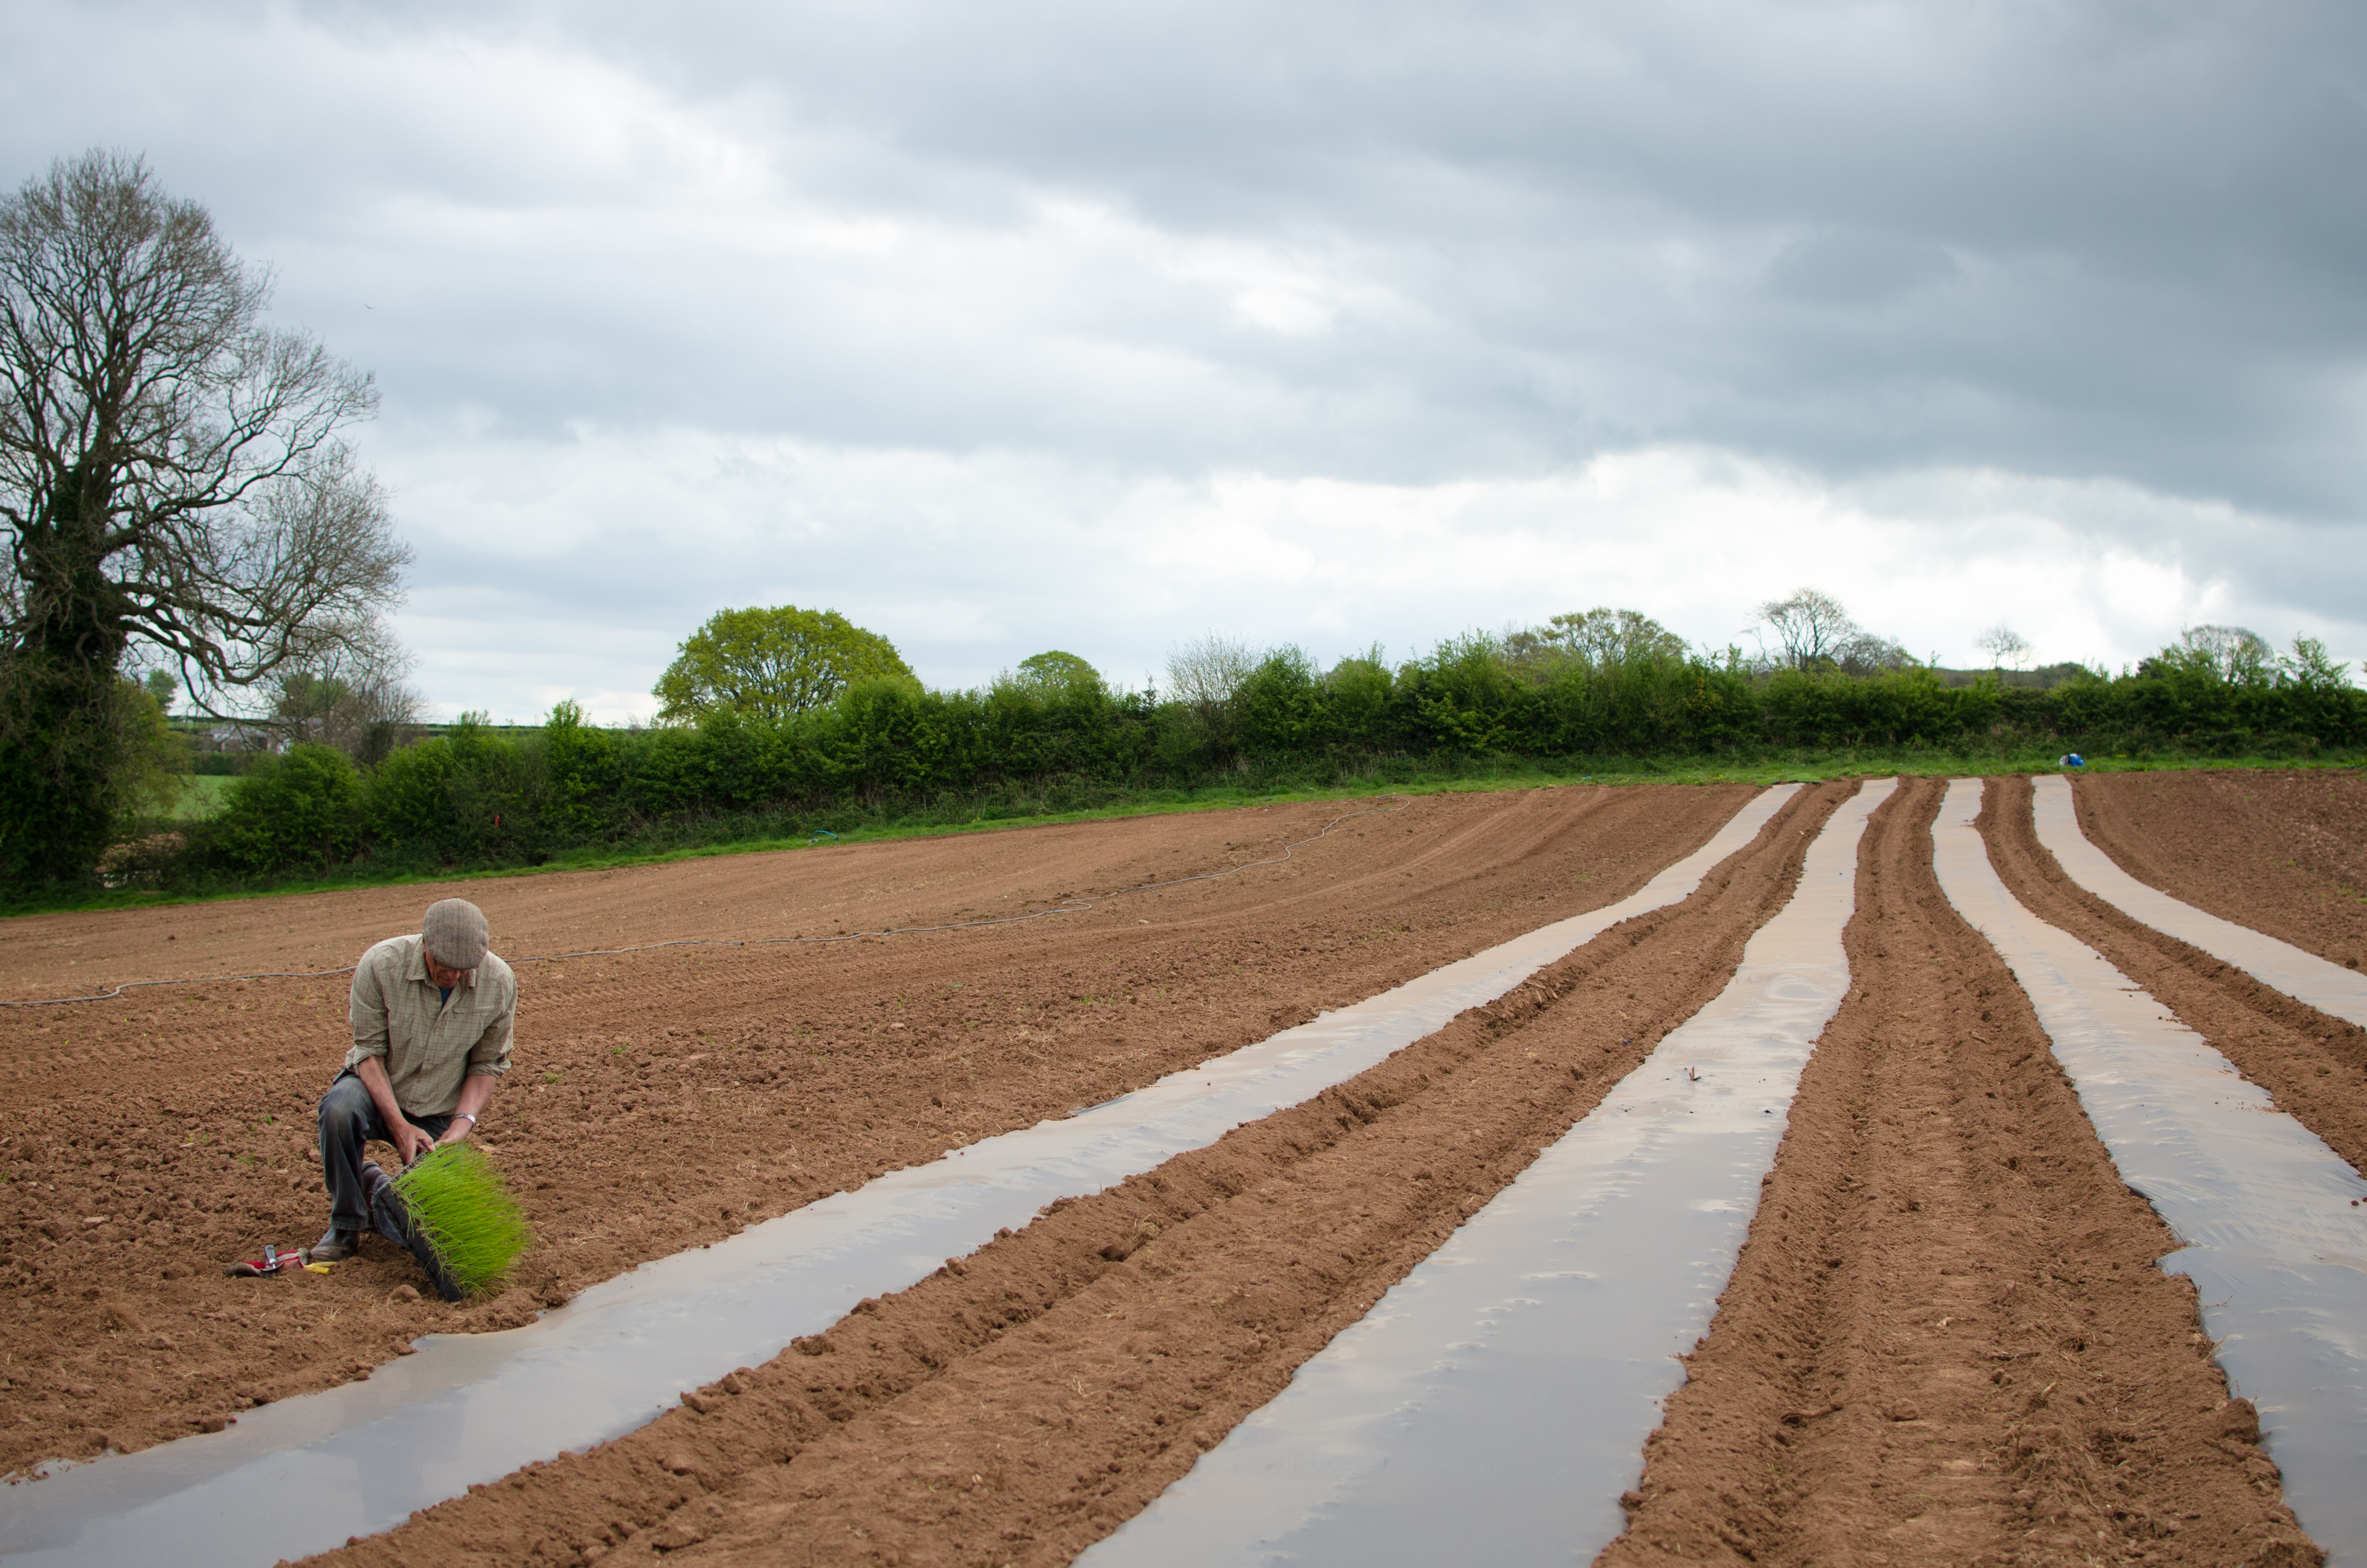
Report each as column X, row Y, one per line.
column 272, row 1262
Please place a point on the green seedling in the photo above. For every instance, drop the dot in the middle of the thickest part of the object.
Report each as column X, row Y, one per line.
column 462, row 1208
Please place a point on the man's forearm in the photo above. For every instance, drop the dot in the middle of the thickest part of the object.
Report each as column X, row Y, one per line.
column 372, row 1070
column 476, row 1093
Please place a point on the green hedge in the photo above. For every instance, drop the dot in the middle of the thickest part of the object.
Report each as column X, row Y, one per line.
column 475, row 797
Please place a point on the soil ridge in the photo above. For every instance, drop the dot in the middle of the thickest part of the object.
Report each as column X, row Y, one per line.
column 1025, row 1400
column 1946, row 1340
column 665, row 1100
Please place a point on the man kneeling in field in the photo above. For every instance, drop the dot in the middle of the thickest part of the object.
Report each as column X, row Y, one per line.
column 431, row 1017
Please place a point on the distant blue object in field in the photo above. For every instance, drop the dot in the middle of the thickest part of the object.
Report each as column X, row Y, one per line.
column 2072, row 760
column 820, row 833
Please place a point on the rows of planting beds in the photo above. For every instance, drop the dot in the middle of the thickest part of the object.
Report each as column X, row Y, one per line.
column 667, row 1098
column 1945, row 1340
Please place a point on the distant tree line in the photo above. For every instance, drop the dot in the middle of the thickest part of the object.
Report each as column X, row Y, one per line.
column 862, row 733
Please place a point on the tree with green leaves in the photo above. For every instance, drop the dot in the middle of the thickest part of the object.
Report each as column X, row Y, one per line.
column 172, row 475
column 1057, row 674
column 2237, row 655
column 1596, row 638
column 771, row 664
column 2309, row 665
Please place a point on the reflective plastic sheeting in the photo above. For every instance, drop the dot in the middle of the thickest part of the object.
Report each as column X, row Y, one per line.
column 2303, row 976
column 298, row 1477
column 1494, row 1404
column 2264, row 1209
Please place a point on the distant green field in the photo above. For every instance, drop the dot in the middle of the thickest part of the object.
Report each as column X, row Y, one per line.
column 202, row 796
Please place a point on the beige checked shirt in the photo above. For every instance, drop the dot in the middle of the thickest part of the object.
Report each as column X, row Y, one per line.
column 429, row 1044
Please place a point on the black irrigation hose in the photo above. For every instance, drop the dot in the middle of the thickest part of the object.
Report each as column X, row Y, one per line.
column 1068, row 907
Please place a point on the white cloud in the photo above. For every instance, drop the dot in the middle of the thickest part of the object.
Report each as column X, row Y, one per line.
column 1048, row 324
column 971, row 562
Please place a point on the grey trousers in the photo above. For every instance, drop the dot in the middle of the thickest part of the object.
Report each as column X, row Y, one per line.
column 349, row 1119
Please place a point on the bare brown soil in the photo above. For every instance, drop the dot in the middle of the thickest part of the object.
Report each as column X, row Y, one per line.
column 1945, row 1340
column 2313, row 1065
column 2281, row 851
column 1019, row 1404
column 664, row 1099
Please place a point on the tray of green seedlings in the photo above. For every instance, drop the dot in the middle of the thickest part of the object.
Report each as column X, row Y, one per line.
column 463, row 1210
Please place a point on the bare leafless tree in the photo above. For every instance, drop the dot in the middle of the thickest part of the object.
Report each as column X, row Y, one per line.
column 1203, row 675
column 2007, row 647
column 172, row 474
column 1811, row 625
column 354, row 696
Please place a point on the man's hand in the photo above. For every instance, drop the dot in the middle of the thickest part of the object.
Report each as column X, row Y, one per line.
column 410, row 1141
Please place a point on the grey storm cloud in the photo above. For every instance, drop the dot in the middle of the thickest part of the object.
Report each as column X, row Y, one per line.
column 2072, row 239
column 1396, row 243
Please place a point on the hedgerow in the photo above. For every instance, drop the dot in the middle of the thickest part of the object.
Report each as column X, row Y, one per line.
column 473, row 798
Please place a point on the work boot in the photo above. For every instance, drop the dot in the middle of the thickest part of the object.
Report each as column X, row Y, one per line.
column 335, row 1246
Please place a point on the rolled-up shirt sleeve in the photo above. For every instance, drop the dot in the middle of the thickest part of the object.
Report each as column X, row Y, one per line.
column 365, row 1012
column 490, row 1056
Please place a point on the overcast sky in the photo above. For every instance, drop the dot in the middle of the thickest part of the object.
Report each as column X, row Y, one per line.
column 1101, row 326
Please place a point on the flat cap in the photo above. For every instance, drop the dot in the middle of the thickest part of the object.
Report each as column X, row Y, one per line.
column 453, row 931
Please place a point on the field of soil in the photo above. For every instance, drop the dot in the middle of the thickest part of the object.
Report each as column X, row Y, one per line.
column 664, row 1099
column 2283, row 853
column 1945, row 1340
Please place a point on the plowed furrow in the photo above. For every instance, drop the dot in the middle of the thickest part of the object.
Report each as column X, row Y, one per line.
column 2314, row 1065
column 2284, row 852
column 1946, row 1340
column 665, row 1098
column 1018, row 1405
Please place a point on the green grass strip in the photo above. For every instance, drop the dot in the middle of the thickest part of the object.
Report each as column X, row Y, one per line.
column 462, row 1208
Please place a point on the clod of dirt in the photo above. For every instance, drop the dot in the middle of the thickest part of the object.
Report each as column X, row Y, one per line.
column 2237, row 1420
column 1120, row 1250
